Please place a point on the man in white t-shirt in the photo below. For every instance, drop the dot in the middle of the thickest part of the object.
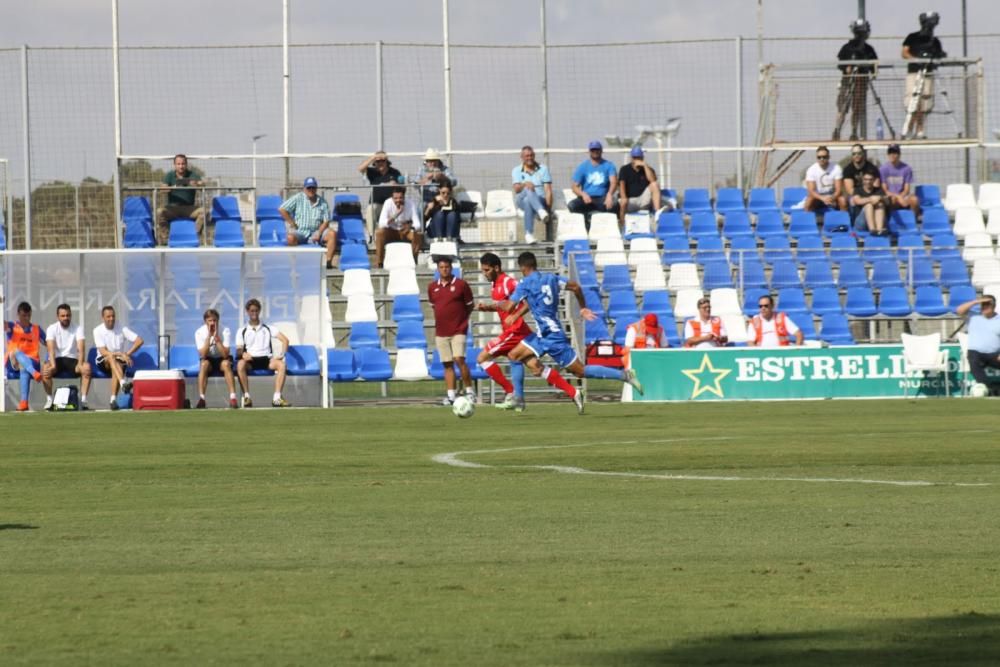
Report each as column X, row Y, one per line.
column 824, row 184
column 67, row 356
column 704, row 330
column 115, row 347
column 771, row 329
column 255, row 351
column 214, row 353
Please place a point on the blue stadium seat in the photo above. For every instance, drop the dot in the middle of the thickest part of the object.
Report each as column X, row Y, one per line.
column 586, row 274
column 770, row 223
column 929, row 301
column 959, row 294
column 183, row 234
column 762, row 200
column 743, row 246
column 592, row 297
column 341, row 365
column 373, row 364
column 929, row 196
column 826, row 300
column 877, row 248
column 406, row 308
column 818, row 274
column 658, row 302
column 945, row 246
column 954, row 272
column 621, row 307
column 272, row 234
column 935, row 221
column 137, row 208
column 902, row 221
column 729, row 199
column 185, row 358
column 750, row 299
column 696, row 199
column 809, row 248
column 920, row 272
column 575, row 247
column 595, row 330
column 843, row 247
column 302, row 360
column 791, row 300
column 346, row 203
column 475, row 370
column 835, row 330
column 805, row 323
column 351, row 231
column 785, row 273
column 228, row 233
column 670, row 223
column 364, row 335
column 910, row 245
column 717, row 273
column 436, row 368
column 267, row 208
column 410, row 334
column 894, row 302
column 777, row 249
column 852, row 274
column 709, row 248
column 354, row 256
column 138, row 234
column 792, row 197
column 616, row 276
column 885, row 273
column 802, row 224
column 736, row 224
column 225, row 207
column 860, row 302
column 676, row 250
column 836, row 222
column 703, row 223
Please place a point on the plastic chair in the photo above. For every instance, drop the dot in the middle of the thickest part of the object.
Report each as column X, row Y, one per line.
column 610, row 250
column 575, row 248
column 717, row 273
column 398, row 256
column 809, row 248
column 877, row 248
column 229, row 233
column 929, row 196
column 902, row 221
column 225, row 207
column 703, row 223
column 750, row 274
column 826, row 300
column 935, row 221
column 920, row 272
column 945, row 246
column 354, row 256
column 364, row 335
column 709, row 248
column 341, row 365
column 351, row 231
column 968, row 221
column 658, row 302
column 643, row 250
column 670, row 224
column 819, row 274
column 616, row 277
column 836, row 222
column 894, row 302
column 621, row 306
column 302, row 360
column 802, row 224
column 357, row 281
column 271, row 233
column 954, row 272
column 923, row 354
column 958, row 195
column 185, row 358
column 402, row 281
column 361, row 308
column 736, row 223
column 792, row 199
column 676, row 250
column 650, row 277
column 683, row 275
column 853, row 274
column 571, row 226
column 770, row 223
column 604, row 225
column 686, row 305
column 843, row 247
column 406, row 308
column 410, row 334
column 885, row 273
column 411, row 364
column 373, row 364
column 777, row 249
column 696, row 200
column 761, row 200
column 929, row 301
column 183, row 234
column 791, row 300
column 267, row 208
column 835, row 330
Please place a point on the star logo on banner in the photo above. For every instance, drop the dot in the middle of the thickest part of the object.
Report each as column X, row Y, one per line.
column 704, row 384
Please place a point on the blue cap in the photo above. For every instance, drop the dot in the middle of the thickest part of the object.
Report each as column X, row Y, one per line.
column 636, row 151
column 595, row 146
column 310, row 183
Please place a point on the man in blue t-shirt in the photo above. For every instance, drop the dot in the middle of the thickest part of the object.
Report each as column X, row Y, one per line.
column 984, row 338
column 539, row 292
column 594, row 183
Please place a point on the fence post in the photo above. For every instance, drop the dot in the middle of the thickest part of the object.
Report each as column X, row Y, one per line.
column 26, row 129
column 379, row 115
column 739, row 111
column 545, row 84
column 447, row 79
column 116, row 177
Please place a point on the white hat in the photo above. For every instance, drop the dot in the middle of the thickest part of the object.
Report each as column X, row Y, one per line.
column 432, row 154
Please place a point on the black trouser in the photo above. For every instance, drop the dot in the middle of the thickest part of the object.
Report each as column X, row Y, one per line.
column 978, row 363
column 596, row 205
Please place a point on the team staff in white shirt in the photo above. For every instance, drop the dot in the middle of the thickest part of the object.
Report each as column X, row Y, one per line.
column 770, row 328
column 67, row 355
column 113, row 355
column 214, row 353
column 254, row 350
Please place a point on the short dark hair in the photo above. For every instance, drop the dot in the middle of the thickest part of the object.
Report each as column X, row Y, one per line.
column 528, row 259
column 252, row 302
column 770, row 299
column 106, row 309
column 703, row 301
column 399, row 188
column 860, row 147
column 822, row 148
column 992, row 300
column 63, row 306
column 490, row 259
column 181, row 155
column 211, row 312
column 526, row 147
column 24, row 307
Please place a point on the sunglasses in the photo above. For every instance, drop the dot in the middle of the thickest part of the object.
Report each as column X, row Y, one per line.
column 763, row 305
column 822, row 157
column 856, row 153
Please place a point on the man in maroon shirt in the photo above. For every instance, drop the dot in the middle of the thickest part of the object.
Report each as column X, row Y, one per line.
column 452, row 300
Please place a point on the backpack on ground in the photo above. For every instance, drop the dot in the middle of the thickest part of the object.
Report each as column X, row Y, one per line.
column 66, row 399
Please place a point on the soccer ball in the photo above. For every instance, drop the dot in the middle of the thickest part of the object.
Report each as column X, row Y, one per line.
column 978, row 390
column 463, row 407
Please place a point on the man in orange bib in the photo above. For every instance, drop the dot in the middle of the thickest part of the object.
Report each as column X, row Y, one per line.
column 24, row 346
column 771, row 329
column 705, row 330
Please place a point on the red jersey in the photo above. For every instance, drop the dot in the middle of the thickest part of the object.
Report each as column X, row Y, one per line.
column 503, row 287
column 452, row 302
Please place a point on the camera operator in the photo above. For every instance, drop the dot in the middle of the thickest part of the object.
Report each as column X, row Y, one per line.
column 852, row 92
column 919, row 99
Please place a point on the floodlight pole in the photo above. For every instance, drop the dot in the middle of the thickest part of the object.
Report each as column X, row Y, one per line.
column 26, row 148
column 285, row 81
column 117, row 82
column 447, row 78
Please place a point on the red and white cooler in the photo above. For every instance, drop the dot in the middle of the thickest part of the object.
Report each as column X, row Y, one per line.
column 158, row 390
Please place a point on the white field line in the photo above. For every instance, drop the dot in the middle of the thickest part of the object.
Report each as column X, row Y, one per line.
column 455, row 459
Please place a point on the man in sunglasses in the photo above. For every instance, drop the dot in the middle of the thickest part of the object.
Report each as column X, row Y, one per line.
column 824, row 184
column 853, row 176
column 770, row 328
column 380, row 173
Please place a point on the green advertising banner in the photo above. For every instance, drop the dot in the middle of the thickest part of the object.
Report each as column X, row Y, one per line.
column 747, row 373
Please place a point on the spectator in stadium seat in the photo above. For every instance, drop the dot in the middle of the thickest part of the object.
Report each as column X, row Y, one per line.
column 255, row 351
column 853, row 88
column 180, row 199
column 433, row 174
column 307, row 218
column 705, row 330
column 824, row 183
column 379, row 172
column 113, row 355
column 855, row 169
column 24, row 347
column 868, row 206
column 770, row 328
column 594, row 184
column 638, row 189
column 920, row 44
column 215, row 354
column 67, row 354
column 532, row 186
column 897, row 181
column 646, row 333
column 442, row 215
column 451, row 298
column 984, row 338
column 399, row 221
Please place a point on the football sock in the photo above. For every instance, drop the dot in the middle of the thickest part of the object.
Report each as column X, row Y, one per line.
column 276, row 397
column 201, row 396
column 232, row 396
column 451, row 394
column 493, row 370
column 517, row 378
column 603, row 372
column 553, row 377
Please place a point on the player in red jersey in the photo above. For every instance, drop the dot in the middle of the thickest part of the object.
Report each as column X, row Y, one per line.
column 512, row 334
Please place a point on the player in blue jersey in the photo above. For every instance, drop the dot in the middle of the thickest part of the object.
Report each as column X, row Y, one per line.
column 539, row 292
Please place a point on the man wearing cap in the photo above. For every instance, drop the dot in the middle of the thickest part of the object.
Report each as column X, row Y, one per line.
column 897, row 181
column 646, row 333
column 594, row 184
column 984, row 338
column 400, row 221
column 704, row 330
column 919, row 99
column 433, row 173
column 380, row 173
column 637, row 186
column 771, row 329
column 307, row 218
column 532, row 186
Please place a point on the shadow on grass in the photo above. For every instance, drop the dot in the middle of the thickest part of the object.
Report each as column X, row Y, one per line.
column 965, row 639
column 17, row 526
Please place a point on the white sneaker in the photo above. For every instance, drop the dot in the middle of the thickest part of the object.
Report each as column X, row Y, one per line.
column 543, row 215
column 447, row 401
column 48, row 403
column 509, row 401
column 471, row 395
column 529, row 239
column 578, row 401
column 630, row 378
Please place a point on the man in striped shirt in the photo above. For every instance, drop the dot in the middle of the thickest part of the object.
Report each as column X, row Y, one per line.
column 307, row 216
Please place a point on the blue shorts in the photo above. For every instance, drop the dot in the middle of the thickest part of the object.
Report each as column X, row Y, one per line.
column 557, row 347
column 303, row 238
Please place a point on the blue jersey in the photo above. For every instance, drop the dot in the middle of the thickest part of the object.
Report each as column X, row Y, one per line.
column 541, row 291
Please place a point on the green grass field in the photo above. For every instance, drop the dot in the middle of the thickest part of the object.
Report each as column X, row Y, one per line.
column 332, row 537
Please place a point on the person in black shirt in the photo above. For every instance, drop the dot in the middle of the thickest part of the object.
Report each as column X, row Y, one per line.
column 919, row 99
column 378, row 170
column 638, row 189
column 853, row 174
column 868, row 206
column 853, row 89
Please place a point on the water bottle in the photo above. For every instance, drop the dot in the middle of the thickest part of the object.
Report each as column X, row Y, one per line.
column 879, row 130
